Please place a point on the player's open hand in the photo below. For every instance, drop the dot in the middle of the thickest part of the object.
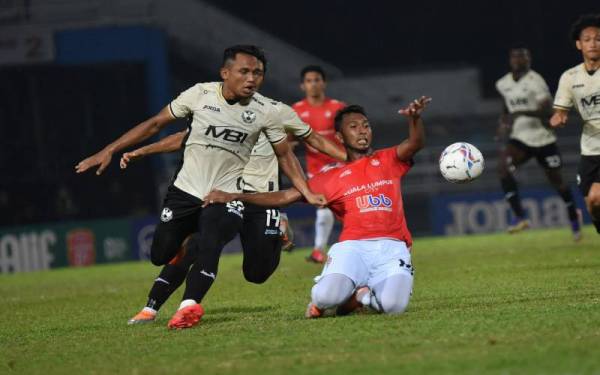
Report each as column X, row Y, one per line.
column 101, row 158
column 416, row 107
column 217, row 196
column 316, row 199
column 129, row 157
column 559, row 119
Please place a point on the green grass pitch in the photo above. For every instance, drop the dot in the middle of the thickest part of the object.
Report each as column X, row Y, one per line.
column 494, row 304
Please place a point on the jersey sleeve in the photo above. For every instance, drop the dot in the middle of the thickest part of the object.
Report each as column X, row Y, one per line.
column 292, row 123
column 390, row 160
column 564, row 96
column 274, row 127
column 182, row 105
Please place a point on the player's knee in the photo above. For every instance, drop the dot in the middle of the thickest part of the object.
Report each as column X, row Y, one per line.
column 257, row 276
column 394, row 305
column 325, row 297
column 593, row 199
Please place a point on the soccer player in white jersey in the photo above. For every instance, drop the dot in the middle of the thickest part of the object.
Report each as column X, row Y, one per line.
column 227, row 120
column 527, row 108
column 371, row 264
column 260, row 234
column 579, row 87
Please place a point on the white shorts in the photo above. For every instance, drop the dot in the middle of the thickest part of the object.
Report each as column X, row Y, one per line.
column 368, row 262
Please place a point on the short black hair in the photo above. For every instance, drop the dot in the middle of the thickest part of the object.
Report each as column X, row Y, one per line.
column 312, row 68
column 583, row 22
column 231, row 52
column 339, row 116
column 518, row 45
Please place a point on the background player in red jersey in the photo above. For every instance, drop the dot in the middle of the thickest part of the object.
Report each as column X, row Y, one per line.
column 318, row 111
column 371, row 263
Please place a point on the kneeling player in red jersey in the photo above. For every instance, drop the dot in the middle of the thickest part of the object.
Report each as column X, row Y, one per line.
column 371, row 264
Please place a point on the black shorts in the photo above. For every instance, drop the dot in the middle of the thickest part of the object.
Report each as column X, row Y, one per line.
column 261, row 242
column 182, row 214
column 588, row 172
column 547, row 156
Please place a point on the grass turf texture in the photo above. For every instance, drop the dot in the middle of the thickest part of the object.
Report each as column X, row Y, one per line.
column 498, row 304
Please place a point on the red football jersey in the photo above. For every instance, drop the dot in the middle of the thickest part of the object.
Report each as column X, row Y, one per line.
column 320, row 118
column 365, row 195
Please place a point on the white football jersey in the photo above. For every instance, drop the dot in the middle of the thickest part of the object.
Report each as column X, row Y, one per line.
column 221, row 137
column 580, row 89
column 526, row 94
column 262, row 171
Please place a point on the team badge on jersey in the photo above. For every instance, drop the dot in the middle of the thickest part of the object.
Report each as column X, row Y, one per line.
column 166, row 215
column 248, row 116
column 375, row 162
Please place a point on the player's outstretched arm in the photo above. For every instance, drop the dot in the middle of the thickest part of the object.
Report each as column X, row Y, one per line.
column 416, row 133
column 167, row 144
column 325, row 146
column 274, row 199
column 291, row 167
column 559, row 118
column 142, row 131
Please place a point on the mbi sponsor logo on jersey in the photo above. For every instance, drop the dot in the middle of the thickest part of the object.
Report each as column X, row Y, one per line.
column 591, row 104
column 368, row 187
column 230, row 135
column 381, row 202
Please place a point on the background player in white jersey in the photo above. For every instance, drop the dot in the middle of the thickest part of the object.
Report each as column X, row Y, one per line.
column 579, row 87
column 318, row 111
column 527, row 108
column 371, row 265
column 260, row 233
column 227, row 119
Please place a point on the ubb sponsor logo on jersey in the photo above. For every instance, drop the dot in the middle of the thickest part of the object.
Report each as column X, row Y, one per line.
column 80, row 247
column 369, row 202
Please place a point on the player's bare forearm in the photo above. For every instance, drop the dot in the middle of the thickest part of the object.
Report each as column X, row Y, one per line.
column 171, row 143
column 168, row 144
column 139, row 133
column 273, row 199
column 415, row 141
column 290, row 165
column 142, row 131
column 416, row 132
column 325, row 146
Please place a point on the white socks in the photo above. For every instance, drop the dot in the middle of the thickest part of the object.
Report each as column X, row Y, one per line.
column 323, row 227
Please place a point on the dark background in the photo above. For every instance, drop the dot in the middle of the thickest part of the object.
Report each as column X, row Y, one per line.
column 361, row 36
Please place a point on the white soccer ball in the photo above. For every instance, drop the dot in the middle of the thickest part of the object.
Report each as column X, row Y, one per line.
column 461, row 162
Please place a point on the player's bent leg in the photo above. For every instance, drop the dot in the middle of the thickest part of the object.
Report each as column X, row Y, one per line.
column 332, row 290
column 261, row 243
column 392, row 295
column 554, row 176
column 168, row 281
column 220, row 223
column 510, row 158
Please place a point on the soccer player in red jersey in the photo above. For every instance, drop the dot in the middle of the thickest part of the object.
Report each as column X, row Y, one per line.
column 318, row 111
column 371, row 263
